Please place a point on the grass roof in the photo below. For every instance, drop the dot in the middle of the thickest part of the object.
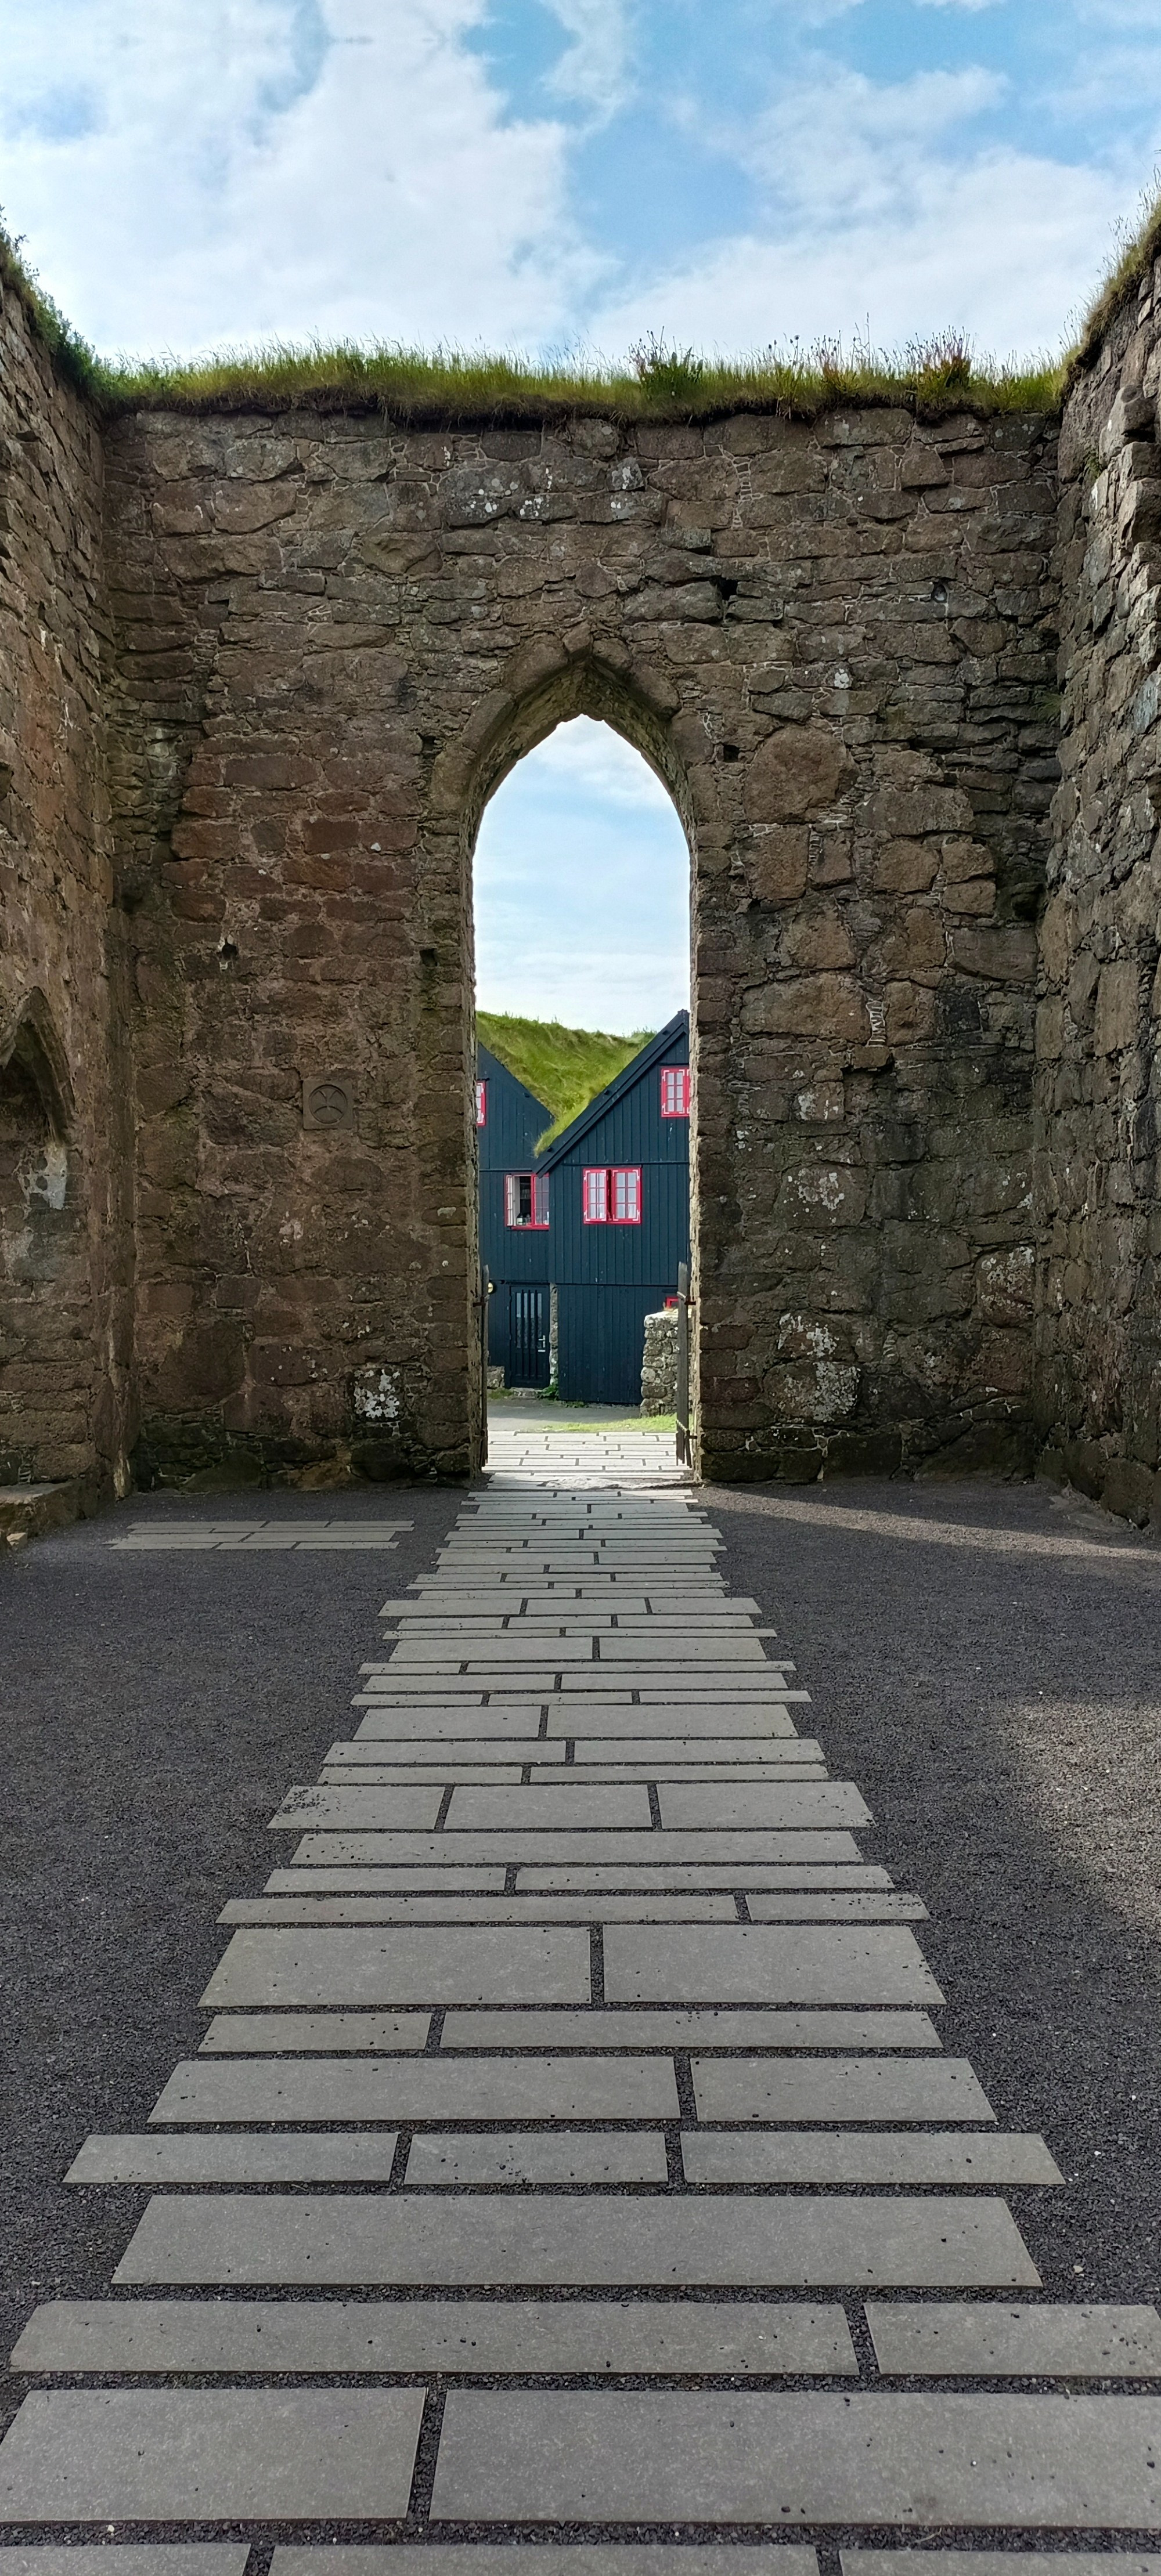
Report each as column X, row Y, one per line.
column 564, row 1068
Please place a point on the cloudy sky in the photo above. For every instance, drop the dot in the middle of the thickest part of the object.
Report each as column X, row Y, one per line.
column 569, row 174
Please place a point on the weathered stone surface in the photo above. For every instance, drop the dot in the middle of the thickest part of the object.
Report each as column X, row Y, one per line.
column 1097, row 1325
column 820, row 636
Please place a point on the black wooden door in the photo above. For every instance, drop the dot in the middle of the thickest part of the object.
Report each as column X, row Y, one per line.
column 528, row 1337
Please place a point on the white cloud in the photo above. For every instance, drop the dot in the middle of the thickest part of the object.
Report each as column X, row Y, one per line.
column 255, row 168
column 594, row 71
column 972, row 5
column 582, row 887
column 881, row 216
column 592, row 760
column 836, row 145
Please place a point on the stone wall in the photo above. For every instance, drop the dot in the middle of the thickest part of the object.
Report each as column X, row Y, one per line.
column 835, row 644
column 1098, row 1329
column 65, row 1148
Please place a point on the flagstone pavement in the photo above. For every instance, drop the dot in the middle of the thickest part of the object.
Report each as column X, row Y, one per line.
column 571, row 2173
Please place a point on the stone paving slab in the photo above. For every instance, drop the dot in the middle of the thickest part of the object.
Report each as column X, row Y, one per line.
column 539, row 2156
column 648, row 2242
column 961, row 2339
column 838, row 2089
column 826, row 2157
column 477, row 2558
column 236, row 2160
column 703, row 2338
column 1019, row 2462
column 126, row 2558
column 997, row 2562
column 702, row 2027
column 780, row 1879
column 756, row 1963
column 210, row 2455
column 419, row 2088
column 312, row 2034
column 480, row 1909
column 524, row 1965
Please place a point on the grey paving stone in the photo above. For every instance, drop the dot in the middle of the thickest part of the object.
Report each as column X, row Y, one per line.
column 305, row 1968
column 310, row 2034
column 210, row 2455
column 409, row 1809
column 537, row 2156
column 384, row 1881
column 410, row 1775
column 486, row 1810
column 423, row 2088
column 853, row 1905
column 750, row 1810
column 475, row 2558
column 801, row 2243
column 503, row 1724
column 965, row 2338
column 216, row 2159
column 769, row 1720
column 702, row 2027
column 127, row 2558
column 695, row 1874
column 821, row 2156
column 996, row 2562
column 767, row 1963
column 484, row 1750
column 480, row 1909
column 838, row 2088
column 548, row 1847
column 704, row 2338
column 1023, row 2462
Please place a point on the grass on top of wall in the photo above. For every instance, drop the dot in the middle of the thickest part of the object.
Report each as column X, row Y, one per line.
column 565, row 1068
column 447, row 385
column 933, row 377
column 655, row 383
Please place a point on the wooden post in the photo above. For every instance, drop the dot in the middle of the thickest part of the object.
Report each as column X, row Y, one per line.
column 684, row 1443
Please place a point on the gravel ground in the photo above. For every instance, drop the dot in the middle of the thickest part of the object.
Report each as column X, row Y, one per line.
column 985, row 1661
column 154, row 1710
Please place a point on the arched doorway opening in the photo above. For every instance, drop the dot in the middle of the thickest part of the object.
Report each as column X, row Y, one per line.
column 45, row 1342
column 583, row 1074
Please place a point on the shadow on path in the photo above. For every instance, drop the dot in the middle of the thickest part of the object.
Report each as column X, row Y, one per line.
column 985, row 1661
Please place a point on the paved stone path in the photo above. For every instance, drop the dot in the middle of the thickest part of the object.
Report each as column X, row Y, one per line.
column 571, row 2154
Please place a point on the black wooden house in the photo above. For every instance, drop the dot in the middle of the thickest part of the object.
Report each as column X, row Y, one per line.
column 584, row 1240
column 514, row 1231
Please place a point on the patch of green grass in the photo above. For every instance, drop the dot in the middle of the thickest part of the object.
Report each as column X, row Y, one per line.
column 1135, row 256
column 449, row 386
column 453, row 386
column 565, row 1068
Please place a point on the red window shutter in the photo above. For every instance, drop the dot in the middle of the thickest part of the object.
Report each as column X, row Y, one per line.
column 595, row 1196
column 626, row 1196
column 540, row 1198
column 512, row 1197
column 481, row 1104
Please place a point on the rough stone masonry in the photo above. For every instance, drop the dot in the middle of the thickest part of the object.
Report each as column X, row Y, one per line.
column 260, row 672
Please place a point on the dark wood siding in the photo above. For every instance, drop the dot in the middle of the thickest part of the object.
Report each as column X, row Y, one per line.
column 516, row 1256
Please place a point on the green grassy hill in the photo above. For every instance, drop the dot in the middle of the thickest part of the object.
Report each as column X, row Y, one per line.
column 561, row 1067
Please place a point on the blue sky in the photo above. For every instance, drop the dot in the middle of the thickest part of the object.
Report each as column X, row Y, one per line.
column 575, row 174
column 582, row 888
